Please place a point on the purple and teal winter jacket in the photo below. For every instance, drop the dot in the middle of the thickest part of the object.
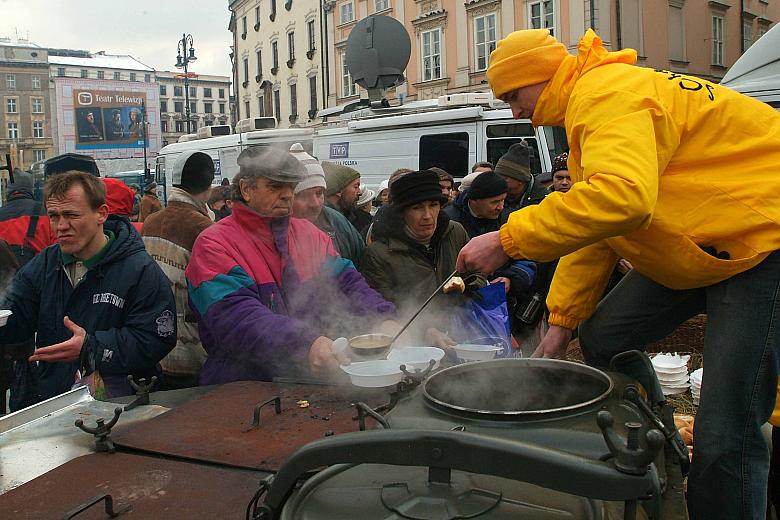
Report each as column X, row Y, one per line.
column 264, row 289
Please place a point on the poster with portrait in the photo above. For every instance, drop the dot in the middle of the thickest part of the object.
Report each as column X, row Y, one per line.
column 108, row 119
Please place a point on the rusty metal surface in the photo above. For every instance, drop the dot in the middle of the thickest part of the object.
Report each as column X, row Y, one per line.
column 217, row 427
column 153, row 487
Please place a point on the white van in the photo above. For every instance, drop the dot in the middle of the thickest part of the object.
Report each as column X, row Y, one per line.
column 757, row 72
column 452, row 133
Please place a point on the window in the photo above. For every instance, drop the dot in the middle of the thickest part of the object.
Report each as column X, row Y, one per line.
column 61, row 72
column 277, row 105
column 259, row 58
column 13, row 131
column 275, row 54
column 447, row 151
column 273, row 10
column 84, row 73
column 10, row 80
column 37, row 128
column 164, row 126
column 178, row 107
column 178, row 91
column 347, row 86
column 10, row 106
column 293, row 101
column 311, row 34
column 243, row 27
column 180, row 127
column 347, row 11
column 163, row 90
column 37, row 105
column 502, row 136
column 132, row 76
column 246, row 107
column 261, row 106
column 542, row 16
column 291, row 45
column 747, row 34
column 39, row 155
column 163, row 105
column 221, row 93
column 257, row 17
column 381, row 5
column 484, row 39
column 206, row 92
column 147, row 78
column 36, row 82
column 193, row 107
column 222, row 108
column 117, row 75
column 717, row 40
column 101, row 74
column 246, row 71
column 193, row 91
column 431, row 54
column 207, row 108
column 312, row 96
column 676, row 33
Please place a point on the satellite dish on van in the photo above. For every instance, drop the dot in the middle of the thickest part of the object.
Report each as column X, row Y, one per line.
column 378, row 50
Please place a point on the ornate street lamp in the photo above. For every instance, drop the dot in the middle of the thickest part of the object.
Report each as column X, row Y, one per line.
column 183, row 58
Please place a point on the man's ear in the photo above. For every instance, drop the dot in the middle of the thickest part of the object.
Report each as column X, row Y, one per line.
column 103, row 212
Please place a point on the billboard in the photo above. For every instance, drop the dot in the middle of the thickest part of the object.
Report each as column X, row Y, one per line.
column 108, row 119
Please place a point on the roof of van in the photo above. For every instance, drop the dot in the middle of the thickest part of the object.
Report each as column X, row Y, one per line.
column 759, row 68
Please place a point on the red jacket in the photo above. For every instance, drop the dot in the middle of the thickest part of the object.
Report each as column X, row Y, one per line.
column 15, row 217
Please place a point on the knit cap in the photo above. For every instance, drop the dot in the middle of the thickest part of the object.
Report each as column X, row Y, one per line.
column 366, row 195
column 415, row 187
column 524, row 58
column 193, row 172
column 516, row 162
column 315, row 175
column 119, row 197
column 560, row 162
column 338, row 177
column 468, row 179
column 488, row 184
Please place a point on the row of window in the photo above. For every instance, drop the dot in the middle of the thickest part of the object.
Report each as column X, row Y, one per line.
column 10, row 82
column 181, row 126
column 178, row 90
column 13, row 130
column 11, row 105
column 347, row 9
column 178, row 107
column 101, row 74
column 263, row 110
column 275, row 54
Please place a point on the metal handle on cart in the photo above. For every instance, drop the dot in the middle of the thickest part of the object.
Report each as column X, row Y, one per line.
column 462, row 451
column 109, row 503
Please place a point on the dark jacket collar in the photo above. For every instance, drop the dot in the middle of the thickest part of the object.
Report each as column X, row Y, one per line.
column 389, row 225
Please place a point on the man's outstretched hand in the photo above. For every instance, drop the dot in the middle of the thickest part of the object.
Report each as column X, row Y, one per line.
column 66, row 351
column 554, row 343
column 483, row 254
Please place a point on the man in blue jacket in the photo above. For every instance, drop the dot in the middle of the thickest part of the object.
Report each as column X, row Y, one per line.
column 97, row 301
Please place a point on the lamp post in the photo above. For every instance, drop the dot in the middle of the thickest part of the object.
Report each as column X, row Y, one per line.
column 183, row 57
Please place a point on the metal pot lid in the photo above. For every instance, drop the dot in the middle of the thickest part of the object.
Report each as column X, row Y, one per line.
column 517, row 388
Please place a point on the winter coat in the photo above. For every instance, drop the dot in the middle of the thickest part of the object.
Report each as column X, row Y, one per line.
column 663, row 165
column 149, row 204
column 346, row 238
column 406, row 272
column 265, row 288
column 16, row 218
column 169, row 236
column 459, row 212
column 124, row 302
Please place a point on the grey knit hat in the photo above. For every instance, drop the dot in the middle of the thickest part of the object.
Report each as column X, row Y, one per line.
column 516, row 163
column 272, row 163
column 338, row 176
column 315, row 175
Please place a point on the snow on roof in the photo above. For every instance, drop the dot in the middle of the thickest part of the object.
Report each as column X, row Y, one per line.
column 103, row 61
column 6, row 42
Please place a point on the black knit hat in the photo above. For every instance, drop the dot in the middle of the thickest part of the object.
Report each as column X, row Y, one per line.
column 516, row 162
column 560, row 162
column 486, row 185
column 415, row 187
column 197, row 173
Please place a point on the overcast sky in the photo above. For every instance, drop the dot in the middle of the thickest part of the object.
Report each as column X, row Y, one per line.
column 148, row 30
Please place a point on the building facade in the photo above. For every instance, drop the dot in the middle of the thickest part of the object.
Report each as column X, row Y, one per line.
column 25, row 115
column 277, row 64
column 208, row 96
column 452, row 39
column 69, row 63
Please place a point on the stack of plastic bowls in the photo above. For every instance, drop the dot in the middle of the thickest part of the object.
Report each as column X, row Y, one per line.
column 672, row 372
column 696, row 377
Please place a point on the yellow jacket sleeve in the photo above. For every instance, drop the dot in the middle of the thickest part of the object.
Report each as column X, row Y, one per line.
column 578, row 284
column 622, row 143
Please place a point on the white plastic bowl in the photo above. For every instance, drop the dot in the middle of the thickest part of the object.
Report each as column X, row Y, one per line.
column 4, row 315
column 475, row 352
column 374, row 374
column 416, row 358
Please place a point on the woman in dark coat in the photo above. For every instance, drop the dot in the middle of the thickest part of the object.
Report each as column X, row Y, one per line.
column 414, row 249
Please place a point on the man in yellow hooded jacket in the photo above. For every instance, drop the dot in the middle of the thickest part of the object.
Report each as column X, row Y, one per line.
column 678, row 176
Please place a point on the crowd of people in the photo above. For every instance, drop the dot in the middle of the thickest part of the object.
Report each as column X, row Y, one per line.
column 255, row 278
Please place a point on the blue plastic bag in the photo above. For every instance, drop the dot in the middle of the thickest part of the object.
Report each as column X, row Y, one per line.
column 484, row 319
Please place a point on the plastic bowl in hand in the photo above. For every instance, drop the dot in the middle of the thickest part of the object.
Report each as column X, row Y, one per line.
column 370, row 346
column 4, row 315
column 374, row 374
column 416, row 358
column 476, row 352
